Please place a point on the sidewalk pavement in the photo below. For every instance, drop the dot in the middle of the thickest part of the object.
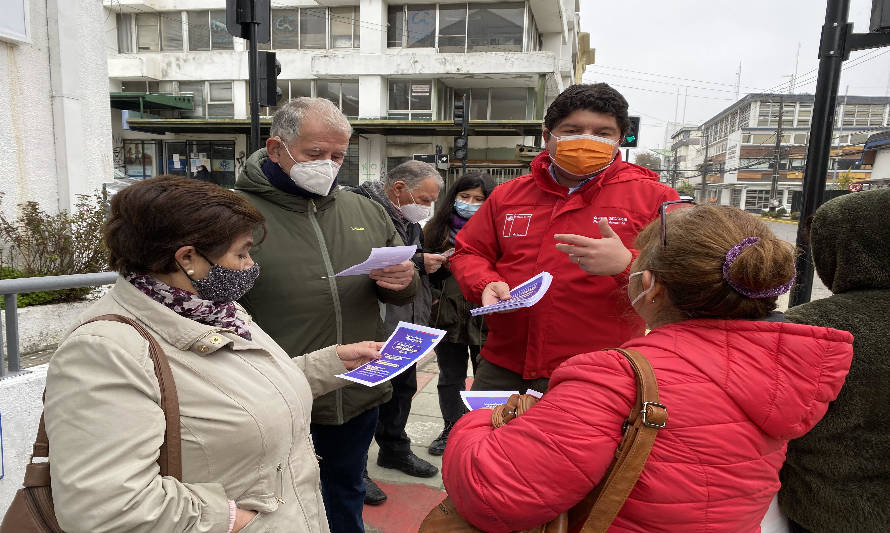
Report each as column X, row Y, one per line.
column 409, row 499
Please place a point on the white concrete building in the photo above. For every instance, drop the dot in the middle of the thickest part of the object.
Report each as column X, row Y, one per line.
column 55, row 124
column 394, row 69
column 686, row 155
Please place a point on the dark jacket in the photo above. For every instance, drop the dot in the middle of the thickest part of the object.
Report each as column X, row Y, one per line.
column 451, row 311
column 297, row 299
column 418, row 311
column 836, row 476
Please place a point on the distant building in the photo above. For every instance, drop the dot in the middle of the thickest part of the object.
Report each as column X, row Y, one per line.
column 55, row 125
column 179, row 81
column 740, row 144
column 876, row 154
column 686, row 156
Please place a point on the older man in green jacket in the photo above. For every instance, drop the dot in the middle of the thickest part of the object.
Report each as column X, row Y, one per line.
column 315, row 231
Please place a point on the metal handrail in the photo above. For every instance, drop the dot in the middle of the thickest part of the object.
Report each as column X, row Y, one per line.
column 11, row 288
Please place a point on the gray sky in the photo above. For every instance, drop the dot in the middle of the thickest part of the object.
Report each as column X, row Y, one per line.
column 642, row 47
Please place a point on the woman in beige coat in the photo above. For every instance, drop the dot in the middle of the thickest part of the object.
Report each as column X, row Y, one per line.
column 248, row 463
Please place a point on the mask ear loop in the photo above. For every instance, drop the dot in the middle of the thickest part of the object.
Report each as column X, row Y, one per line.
column 645, row 292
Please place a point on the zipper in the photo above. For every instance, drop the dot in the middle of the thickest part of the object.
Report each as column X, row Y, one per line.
column 279, row 499
column 335, row 294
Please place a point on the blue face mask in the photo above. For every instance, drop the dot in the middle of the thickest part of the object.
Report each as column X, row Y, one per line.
column 465, row 209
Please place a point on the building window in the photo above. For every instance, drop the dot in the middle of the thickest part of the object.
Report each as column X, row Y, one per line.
column 212, row 161
column 410, row 99
column 348, row 174
column 289, row 89
column 313, row 28
column 343, row 93
column 171, row 32
column 501, row 103
column 220, row 38
column 285, row 28
column 804, row 115
column 207, row 31
column 124, row 33
column 140, row 158
column 863, row 115
column 219, row 102
column 140, row 86
column 196, row 89
column 756, row 199
column 768, row 116
column 345, row 30
column 147, row 32
column 495, row 27
column 453, row 28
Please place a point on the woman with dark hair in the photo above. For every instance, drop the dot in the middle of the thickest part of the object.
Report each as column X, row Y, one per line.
column 736, row 387
column 182, row 248
column 451, row 311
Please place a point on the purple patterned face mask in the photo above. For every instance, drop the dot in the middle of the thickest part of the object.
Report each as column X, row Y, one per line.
column 223, row 284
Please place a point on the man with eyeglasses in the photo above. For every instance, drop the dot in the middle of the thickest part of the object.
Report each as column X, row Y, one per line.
column 576, row 216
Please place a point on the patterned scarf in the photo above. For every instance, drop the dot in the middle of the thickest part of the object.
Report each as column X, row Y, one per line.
column 457, row 223
column 184, row 303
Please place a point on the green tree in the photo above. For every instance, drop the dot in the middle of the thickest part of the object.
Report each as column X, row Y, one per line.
column 648, row 160
column 684, row 187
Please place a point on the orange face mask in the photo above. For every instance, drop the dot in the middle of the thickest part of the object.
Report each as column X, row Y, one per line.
column 584, row 154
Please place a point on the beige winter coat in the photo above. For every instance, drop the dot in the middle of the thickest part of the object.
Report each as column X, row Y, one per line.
column 244, row 413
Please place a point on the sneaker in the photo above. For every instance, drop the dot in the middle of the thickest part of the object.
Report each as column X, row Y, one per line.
column 408, row 463
column 374, row 495
column 438, row 445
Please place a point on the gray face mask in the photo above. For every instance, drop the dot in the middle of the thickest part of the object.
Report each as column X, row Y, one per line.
column 223, row 284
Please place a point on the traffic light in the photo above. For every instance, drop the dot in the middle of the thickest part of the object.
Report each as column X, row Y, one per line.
column 462, row 112
column 268, row 70
column 632, row 136
column 238, row 17
column 460, row 147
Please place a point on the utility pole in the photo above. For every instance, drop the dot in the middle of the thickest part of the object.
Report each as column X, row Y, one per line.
column 837, row 41
column 774, row 187
column 674, row 170
column 704, row 168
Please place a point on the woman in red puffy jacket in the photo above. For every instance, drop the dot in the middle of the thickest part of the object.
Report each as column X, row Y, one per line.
column 737, row 386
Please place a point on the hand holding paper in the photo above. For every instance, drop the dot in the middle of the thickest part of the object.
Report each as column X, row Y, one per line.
column 407, row 344
column 524, row 295
column 359, row 353
column 380, row 259
column 395, row 277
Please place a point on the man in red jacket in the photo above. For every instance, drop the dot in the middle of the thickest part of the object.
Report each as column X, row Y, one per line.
column 576, row 216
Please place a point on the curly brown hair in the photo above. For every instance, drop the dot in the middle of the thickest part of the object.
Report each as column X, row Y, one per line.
column 153, row 218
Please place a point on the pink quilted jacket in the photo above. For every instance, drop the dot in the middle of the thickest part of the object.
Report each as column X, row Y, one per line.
column 736, row 392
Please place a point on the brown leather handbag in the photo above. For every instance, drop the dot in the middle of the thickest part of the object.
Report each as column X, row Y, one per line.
column 599, row 508
column 31, row 510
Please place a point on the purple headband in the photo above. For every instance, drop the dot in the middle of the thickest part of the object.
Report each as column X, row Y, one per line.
column 731, row 256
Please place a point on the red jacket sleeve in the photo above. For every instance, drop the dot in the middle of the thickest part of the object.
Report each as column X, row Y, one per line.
column 542, row 463
column 476, row 252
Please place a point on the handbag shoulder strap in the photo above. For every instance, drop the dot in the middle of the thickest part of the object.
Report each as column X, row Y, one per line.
column 170, row 457
column 646, row 417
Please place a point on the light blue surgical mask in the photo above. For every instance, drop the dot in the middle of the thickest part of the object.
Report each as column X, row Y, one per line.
column 645, row 292
column 465, row 209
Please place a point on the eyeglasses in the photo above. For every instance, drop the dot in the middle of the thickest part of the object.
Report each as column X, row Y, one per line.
column 669, row 207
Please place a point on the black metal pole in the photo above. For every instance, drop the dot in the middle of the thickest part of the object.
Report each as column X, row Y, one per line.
column 832, row 52
column 254, row 81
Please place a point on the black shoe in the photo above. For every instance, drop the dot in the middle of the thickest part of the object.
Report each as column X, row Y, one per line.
column 438, row 445
column 374, row 495
column 407, row 463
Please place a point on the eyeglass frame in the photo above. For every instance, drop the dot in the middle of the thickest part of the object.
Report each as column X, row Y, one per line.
column 661, row 213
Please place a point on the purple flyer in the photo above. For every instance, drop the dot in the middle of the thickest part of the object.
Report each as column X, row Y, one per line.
column 487, row 399
column 408, row 343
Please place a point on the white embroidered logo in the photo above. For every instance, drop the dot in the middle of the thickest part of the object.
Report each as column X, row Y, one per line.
column 517, row 224
column 613, row 221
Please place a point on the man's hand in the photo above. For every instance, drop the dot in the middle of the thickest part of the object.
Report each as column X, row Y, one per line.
column 433, row 262
column 606, row 256
column 395, row 277
column 495, row 292
column 356, row 354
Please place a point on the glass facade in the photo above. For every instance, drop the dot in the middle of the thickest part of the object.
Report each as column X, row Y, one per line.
column 458, row 28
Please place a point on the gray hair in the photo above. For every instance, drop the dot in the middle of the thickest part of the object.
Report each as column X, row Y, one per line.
column 412, row 173
column 287, row 120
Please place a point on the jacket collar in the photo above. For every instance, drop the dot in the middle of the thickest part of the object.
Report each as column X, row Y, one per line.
column 183, row 333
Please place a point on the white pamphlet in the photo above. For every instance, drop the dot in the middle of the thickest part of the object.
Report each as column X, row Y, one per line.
column 381, row 258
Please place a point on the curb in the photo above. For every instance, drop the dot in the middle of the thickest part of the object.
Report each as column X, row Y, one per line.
column 768, row 219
